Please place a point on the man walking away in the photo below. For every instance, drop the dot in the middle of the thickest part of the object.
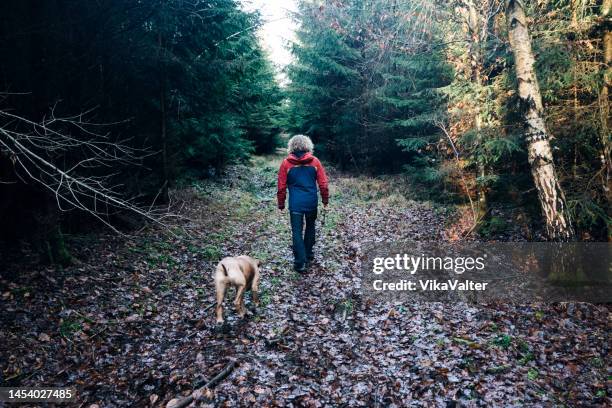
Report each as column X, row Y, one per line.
column 301, row 172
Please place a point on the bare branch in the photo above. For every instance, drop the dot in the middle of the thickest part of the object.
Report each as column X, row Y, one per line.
column 35, row 147
column 442, row 127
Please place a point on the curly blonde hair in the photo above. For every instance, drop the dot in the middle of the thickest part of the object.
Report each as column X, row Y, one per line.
column 300, row 143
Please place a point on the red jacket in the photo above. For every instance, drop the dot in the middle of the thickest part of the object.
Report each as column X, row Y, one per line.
column 301, row 173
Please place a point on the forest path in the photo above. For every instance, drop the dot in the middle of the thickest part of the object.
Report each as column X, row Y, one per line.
column 133, row 324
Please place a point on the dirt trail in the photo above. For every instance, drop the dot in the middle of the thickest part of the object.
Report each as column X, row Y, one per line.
column 132, row 325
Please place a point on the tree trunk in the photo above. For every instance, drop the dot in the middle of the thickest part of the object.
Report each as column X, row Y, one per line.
column 163, row 125
column 474, row 25
column 575, row 5
column 552, row 199
column 604, row 106
column 52, row 240
column 606, row 8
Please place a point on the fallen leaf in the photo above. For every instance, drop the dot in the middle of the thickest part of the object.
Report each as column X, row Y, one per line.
column 133, row 318
column 172, row 403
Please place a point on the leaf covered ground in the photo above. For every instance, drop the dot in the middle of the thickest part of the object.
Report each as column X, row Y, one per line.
column 131, row 323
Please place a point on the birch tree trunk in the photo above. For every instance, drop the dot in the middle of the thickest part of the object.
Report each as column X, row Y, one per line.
column 552, row 199
column 604, row 105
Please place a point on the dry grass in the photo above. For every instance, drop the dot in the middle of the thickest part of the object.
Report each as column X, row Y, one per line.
column 386, row 190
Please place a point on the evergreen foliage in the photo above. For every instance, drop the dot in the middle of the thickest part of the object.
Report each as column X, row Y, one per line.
column 185, row 80
column 430, row 87
column 361, row 85
column 426, row 87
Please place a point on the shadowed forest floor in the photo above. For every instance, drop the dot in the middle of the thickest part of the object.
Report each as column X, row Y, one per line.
column 132, row 323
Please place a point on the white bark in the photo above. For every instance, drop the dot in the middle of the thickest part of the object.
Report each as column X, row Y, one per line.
column 552, row 199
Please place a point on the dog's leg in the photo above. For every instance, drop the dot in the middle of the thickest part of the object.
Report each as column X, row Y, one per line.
column 220, row 286
column 239, row 302
column 255, row 289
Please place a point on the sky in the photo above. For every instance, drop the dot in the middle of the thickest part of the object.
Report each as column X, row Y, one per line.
column 278, row 29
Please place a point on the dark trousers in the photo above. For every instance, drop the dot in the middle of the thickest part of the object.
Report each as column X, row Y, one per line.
column 303, row 239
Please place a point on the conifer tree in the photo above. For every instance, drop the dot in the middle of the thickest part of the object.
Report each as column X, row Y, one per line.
column 365, row 80
column 186, row 81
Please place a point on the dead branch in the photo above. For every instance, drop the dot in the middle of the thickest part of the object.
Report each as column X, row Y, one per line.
column 36, row 148
column 210, row 384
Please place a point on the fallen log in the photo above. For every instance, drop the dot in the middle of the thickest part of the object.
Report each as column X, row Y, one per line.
column 182, row 403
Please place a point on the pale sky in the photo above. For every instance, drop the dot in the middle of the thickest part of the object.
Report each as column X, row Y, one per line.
column 278, row 29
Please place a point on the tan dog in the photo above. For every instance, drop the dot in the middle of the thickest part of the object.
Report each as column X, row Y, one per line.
column 242, row 272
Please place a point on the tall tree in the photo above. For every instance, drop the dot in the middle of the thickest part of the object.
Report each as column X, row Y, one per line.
column 606, row 11
column 477, row 17
column 187, row 80
column 365, row 79
column 551, row 195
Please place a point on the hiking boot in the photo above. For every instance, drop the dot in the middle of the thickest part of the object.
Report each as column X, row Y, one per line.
column 301, row 268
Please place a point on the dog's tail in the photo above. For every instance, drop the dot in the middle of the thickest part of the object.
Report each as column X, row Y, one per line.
column 224, row 269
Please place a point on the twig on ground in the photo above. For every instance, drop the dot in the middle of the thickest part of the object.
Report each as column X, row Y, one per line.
column 210, row 384
column 99, row 332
